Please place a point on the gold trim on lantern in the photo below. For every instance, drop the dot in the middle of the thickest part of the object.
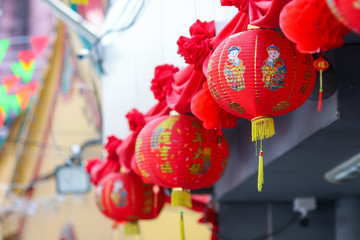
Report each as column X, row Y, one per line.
column 256, row 92
column 262, row 127
column 252, row 27
column 181, row 197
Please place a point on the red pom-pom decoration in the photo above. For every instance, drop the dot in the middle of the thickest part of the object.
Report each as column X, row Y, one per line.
column 205, row 108
column 311, row 25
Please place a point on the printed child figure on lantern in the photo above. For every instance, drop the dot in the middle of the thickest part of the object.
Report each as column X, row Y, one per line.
column 274, row 70
column 119, row 194
column 234, row 69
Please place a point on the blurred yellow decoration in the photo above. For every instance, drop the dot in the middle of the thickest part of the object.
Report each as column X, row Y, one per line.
column 80, row 2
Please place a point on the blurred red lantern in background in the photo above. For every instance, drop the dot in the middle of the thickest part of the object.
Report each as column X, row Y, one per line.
column 311, row 25
column 347, row 11
column 259, row 74
column 125, row 198
column 177, row 152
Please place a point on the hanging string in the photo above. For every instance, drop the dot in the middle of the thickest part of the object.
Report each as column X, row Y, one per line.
column 182, row 229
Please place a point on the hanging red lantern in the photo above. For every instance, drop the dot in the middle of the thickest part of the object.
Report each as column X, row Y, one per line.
column 125, row 198
column 311, row 25
column 347, row 11
column 177, row 152
column 259, row 74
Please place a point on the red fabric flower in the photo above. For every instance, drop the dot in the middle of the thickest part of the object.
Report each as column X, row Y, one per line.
column 98, row 169
column 206, row 29
column 195, row 49
column 205, row 108
column 136, row 120
column 112, row 144
column 164, row 75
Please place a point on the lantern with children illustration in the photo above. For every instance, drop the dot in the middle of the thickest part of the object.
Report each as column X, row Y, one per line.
column 177, row 152
column 274, row 77
column 124, row 197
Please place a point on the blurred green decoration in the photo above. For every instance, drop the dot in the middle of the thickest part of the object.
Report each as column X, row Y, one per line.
column 9, row 102
column 19, row 70
column 4, row 45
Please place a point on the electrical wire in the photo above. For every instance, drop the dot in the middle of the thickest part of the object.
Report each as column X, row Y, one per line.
column 261, row 237
column 124, row 28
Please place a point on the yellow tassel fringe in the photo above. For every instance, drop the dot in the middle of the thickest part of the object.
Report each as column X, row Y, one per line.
column 181, row 197
column 262, row 127
column 131, row 228
column 260, row 171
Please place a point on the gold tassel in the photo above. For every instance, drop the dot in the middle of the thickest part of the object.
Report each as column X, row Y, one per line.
column 181, row 197
column 182, row 228
column 262, row 127
column 131, row 228
column 260, row 171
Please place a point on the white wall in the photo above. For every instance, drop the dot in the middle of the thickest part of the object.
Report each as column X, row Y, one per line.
column 130, row 57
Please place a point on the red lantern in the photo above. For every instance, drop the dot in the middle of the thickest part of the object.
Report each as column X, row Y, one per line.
column 124, row 197
column 259, row 74
column 177, row 152
column 347, row 11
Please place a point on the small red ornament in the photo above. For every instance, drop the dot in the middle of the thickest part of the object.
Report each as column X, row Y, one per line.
column 259, row 74
column 321, row 65
column 124, row 197
column 177, row 152
column 348, row 12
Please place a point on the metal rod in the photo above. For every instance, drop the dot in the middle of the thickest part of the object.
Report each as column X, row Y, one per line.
column 73, row 20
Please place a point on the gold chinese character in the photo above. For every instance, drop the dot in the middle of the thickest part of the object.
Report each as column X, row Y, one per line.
column 215, row 93
column 147, row 209
column 236, row 107
column 198, row 153
column 196, row 124
column 198, row 138
column 304, row 88
column 206, row 154
column 195, row 168
column 308, row 73
column 164, row 138
column 164, row 152
column 166, row 168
